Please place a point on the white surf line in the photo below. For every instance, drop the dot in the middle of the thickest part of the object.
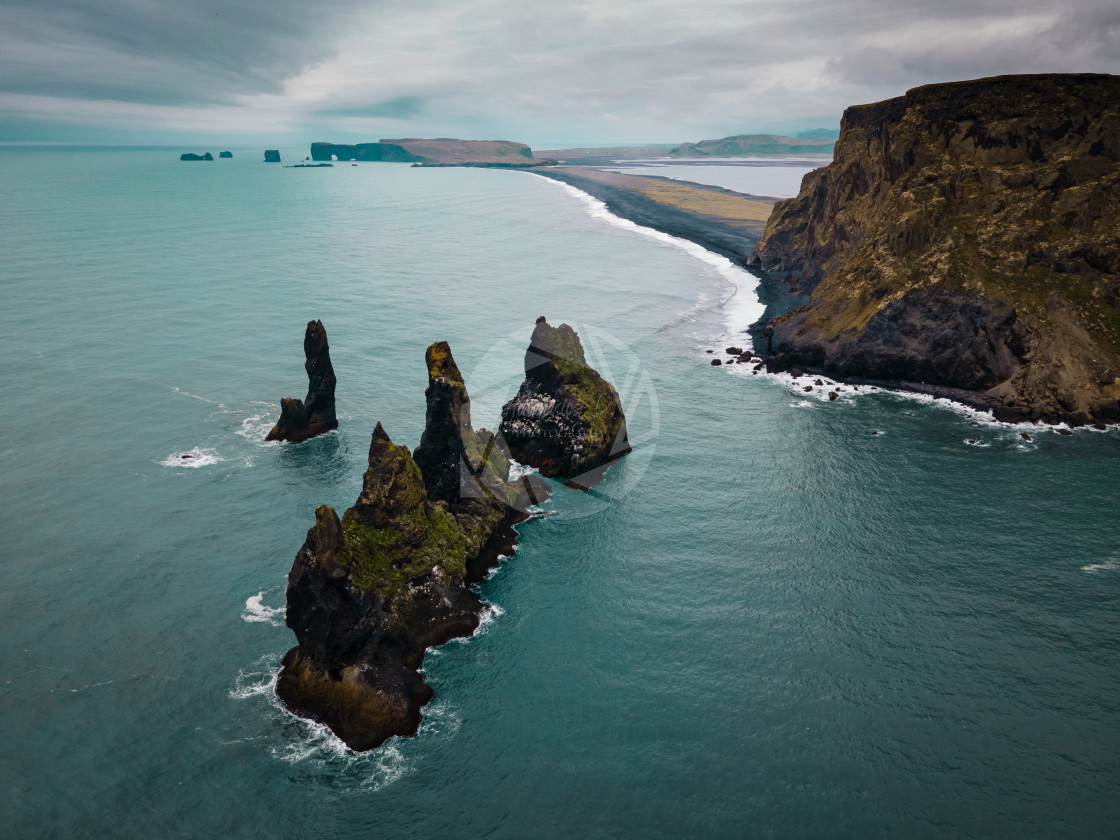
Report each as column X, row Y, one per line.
column 749, row 311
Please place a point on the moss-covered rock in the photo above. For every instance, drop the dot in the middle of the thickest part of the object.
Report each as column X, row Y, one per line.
column 566, row 420
column 966, row 235
column 367, row 594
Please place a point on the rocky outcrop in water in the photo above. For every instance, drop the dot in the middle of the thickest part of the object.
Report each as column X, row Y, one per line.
column 313, row 415
column 966, row 237
column 192, row 156
column 225, row 154
column 566, row 420
column 369, row 593
column 272, row 156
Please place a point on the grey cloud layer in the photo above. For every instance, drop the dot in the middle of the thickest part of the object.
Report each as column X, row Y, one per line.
column 627, row 70
column 161, row 51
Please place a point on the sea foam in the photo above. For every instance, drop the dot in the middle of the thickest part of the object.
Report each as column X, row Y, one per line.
column 192, row 458
column 742, row 308
column 256, row 611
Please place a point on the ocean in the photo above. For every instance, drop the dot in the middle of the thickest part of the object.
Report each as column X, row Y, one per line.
column 781, row 616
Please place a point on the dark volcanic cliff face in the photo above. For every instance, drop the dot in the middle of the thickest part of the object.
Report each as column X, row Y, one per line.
column 368, row 594
column 566, row 420
column 966, row 235
column 303, row 419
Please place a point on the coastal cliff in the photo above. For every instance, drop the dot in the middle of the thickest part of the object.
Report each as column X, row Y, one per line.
column 370, row 592
column 966, row 236
column 565, row 420
column 315, row 414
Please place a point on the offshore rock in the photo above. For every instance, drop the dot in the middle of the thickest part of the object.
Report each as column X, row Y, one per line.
column 966, row 237
column 272, row 156
column 566, row 420
column 369, row 593
column 314, row 415
column 225, row 154
column 192, row 156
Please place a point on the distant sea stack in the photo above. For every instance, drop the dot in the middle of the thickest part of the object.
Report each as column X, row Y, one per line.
column 314, row 415
column 225, row 154
column 192, row 156
column 443, row 151
column 369, row 593
column 966, row 236
column 272, row 156
column 566, row 420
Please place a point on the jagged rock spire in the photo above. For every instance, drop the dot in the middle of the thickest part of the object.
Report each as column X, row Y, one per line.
column 303, row 419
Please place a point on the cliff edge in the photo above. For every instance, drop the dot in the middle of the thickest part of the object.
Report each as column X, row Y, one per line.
column 966, row 235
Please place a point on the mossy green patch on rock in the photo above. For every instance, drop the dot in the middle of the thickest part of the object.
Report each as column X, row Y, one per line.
column 408, row 547
column 441, row 363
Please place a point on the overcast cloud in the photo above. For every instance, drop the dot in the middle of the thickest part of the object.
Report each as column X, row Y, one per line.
column 554, row 73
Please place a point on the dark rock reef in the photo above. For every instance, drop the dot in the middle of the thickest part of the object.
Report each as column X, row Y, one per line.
column 369, row 593
column 566, row 420
column 225, row 154
column 272, row 156
column 192, row 156
column 314, row 415
column 966, row 237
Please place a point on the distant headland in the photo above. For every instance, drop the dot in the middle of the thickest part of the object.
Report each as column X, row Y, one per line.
column 816, row 142
column 442, row 151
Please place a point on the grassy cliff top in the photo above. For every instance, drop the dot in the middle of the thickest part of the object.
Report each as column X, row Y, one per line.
column 451, row 150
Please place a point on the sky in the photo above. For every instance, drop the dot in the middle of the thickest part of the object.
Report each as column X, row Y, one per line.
column 552, row 74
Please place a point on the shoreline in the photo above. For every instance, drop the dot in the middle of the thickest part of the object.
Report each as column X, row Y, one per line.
column 735, row 240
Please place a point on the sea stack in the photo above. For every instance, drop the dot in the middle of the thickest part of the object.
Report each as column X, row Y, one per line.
column 193, row 156
column 566, row 420
column 369, row 593
column 225, row 154
column 314, row 415
column 965, row 237
column 272, row 156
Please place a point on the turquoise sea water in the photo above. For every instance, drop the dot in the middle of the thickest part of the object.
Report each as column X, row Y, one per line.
column 781, row 617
